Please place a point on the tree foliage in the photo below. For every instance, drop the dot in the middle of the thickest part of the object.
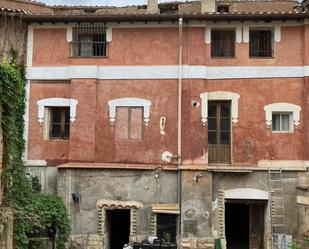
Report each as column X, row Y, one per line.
column 35, row 214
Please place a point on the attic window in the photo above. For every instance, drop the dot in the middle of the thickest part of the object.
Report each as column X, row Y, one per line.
column 223, row 8
column 168, row 8
column 89, row 40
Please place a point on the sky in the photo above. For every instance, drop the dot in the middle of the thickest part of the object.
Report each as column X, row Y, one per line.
column 100, row 2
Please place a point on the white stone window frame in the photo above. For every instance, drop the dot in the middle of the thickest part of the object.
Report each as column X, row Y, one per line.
column 223, row 26
column 276, row 31
column 219, row 95
column 129, row 102
column 56, row 102
column 282, row 107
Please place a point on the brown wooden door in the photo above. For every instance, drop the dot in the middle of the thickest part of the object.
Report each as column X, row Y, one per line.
column 256, row 230
column 219, row 132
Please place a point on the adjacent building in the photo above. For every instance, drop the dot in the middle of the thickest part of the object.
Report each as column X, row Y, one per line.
column 187, row 121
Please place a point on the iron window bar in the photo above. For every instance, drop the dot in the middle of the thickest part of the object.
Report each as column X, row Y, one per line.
column 89, row 40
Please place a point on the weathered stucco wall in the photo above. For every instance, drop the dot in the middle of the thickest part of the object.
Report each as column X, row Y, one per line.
column 128, row 47
column 93, row 132
column 12, row 36
column 122, row 185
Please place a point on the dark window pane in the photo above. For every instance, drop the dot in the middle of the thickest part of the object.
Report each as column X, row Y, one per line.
column 285, row 119
column 67, row 116
column 212, row 137
column 276, row 122
column 56, row 115
column 56, row 131
column 212, row 123
column 66, row 133
column 212, row 109
column 222, row 43
column 225, row 110
column 260, row 43
column 225, row 124
column 166, row 227
column 89, row 40
column 225, row 137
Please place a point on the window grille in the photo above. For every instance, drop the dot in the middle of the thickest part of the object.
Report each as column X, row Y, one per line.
column 261, row 44
column 89, row 40
column 222, row 43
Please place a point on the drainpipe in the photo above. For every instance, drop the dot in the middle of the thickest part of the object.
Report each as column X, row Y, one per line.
column 179, row 120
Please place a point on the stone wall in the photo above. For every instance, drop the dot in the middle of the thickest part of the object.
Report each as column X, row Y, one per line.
column 13, row 33
column 93, row 185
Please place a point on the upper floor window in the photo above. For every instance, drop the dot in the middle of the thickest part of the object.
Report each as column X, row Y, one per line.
column 89, row 40
column 261, row 43
column 282, row 117
column 55, row 114
column 129, row 124
column 222, row 43
column 59, row 125
column 281, row 122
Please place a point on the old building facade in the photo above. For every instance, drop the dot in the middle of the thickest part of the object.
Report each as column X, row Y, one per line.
column 183, row 120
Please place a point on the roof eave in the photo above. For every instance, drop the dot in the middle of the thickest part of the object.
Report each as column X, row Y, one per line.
column 166, row 17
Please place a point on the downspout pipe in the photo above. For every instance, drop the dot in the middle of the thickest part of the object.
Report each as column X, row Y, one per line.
column 179, row 137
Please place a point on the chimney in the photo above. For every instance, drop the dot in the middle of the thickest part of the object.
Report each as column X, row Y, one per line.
column 152, row 7
column 208, row 6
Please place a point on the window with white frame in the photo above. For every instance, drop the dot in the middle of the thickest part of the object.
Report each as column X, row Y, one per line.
column 128, row 116
column 55, row 114
column 282, row 117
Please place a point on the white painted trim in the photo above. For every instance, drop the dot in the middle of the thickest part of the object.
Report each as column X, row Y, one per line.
column 72, row 103
column 109, row 34
column 165, row 72
column 219, row 95
column 282, row 107
column 124, row 102
column 306, row 71
column 69, row 33
column 245, row 34
column 236, row 26
column 26, row 119
column 277, row 33
column 27, row 91
column 283, row 164
column 246, row 194
column 35, row 163
column 208, row 35
column 29, row 46
column 238, row 34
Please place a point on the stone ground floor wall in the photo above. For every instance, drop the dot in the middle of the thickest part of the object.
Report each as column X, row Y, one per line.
column 202, row 207
column 135, row 189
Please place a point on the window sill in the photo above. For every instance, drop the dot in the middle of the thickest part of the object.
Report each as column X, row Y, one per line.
column 223, row 57
column 57, row 139
column 282, row 132
column 89, row 57
column 262, row 57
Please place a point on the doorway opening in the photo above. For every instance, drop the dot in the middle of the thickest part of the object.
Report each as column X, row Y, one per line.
column 244, row 224
column 118, row 227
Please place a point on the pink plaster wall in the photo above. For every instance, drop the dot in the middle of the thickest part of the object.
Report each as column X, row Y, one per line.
column 92, row 137
column 154, row 46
